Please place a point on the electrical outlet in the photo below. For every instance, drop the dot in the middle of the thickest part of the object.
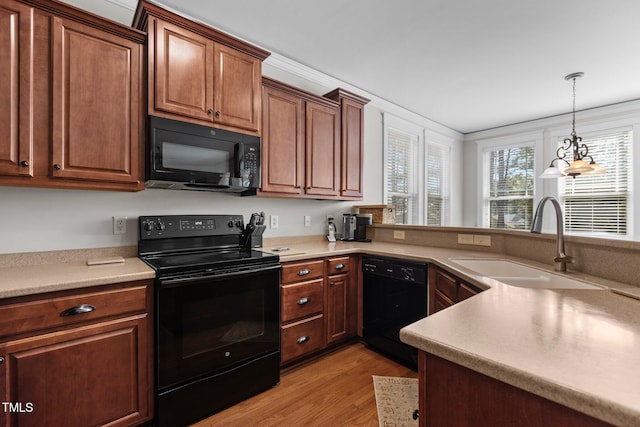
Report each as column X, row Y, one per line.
column 274, row 221
column 465, row 239
column 398, row 234
column 482, row 240
column 307, row 221
column 119, row 225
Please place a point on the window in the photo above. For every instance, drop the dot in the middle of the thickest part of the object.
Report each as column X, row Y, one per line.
column 600, row 204
column 416, row 175
column 509, row 186
column 437, row 184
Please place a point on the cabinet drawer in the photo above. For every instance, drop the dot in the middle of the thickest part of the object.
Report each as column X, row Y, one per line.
column 53, row 311
column 302, row 299
column 441, row 302
column 302, row 337
column 466, row 291
column 302, row 271
column 447, row 285
column 338, row 265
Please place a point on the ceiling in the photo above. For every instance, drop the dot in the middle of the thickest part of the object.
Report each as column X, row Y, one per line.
column 469, row 65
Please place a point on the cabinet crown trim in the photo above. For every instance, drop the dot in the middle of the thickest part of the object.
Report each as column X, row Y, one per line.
column 145, row 8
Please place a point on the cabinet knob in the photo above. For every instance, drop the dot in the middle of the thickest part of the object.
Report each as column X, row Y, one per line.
column 1, row 360
column 218, row 113
column 303, row 339
column 24, row 163
column 303, row 301
column 57, row 167
column 332, row 283
column 210, row 111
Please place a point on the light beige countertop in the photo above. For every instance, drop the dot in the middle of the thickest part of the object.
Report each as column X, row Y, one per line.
column 23, row 280
column 580, row 348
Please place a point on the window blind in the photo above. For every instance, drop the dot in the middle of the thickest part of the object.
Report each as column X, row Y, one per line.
column 599, row 204
column 437, row 185
column 511, row 187
column 401, row 174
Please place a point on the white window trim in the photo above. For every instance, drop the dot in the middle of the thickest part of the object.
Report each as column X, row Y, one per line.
column 424, row 137
column 517, row 140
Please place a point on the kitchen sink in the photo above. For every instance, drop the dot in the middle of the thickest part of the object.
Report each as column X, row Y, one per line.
column 515, row 274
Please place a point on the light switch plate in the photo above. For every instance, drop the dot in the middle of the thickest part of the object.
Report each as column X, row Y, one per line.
column 465, row 239
column 398, row 234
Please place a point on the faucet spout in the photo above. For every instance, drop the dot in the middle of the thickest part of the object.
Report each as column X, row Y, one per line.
column 561, row 259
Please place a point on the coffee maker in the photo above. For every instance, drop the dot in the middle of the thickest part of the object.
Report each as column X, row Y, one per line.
column 362, row 220
column 348, row 226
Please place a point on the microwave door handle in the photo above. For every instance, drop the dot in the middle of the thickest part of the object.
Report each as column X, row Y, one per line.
column 239, row 159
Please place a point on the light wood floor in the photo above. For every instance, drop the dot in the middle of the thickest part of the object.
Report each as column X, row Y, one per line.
column 335, row 390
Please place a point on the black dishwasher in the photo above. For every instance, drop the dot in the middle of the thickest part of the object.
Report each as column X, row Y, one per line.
column 394, row 296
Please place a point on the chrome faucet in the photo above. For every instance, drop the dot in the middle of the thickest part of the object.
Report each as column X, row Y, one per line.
column 561, row 259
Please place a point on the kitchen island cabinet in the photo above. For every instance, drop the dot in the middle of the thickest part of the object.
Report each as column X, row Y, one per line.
column 452, row 396
column 446, row 289
column 73, row 101
column 200, row 75
column 78, row 357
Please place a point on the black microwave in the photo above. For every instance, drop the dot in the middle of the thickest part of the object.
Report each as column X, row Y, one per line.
column 186, row 156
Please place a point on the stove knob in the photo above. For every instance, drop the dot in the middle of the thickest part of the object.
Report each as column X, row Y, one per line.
column 148, row 226
column 238, row 223
column 160, row 226
column 230, row 223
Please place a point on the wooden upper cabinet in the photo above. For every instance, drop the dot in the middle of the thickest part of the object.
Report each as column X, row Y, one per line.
column 237, row 85
column 16, row 68
column 282, row 141
column 200, row 75
column 96, row 99
column 322, row 145
column 183, row 66
column 351, row 142
column 70, row 98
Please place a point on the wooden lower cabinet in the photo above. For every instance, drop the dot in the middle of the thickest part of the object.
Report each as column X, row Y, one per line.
column 453, row 396
column 446, row 289
column 318, row 305
column 96, row 368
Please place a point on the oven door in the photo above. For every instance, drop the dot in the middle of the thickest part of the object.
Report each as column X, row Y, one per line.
column 209, row 324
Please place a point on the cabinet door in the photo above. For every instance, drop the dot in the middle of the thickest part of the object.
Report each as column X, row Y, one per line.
column 282, row 142
column 183, row 65
column 237, row 89
column 322, row 150
column 92, row 375
column 96, row 104
column 16, row 68
column 352, row 148
column 337, row 310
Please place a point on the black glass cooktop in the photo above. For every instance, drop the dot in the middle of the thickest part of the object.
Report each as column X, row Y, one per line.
column 209, row 260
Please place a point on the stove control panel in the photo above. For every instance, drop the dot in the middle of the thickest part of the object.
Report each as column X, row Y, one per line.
column 175, row 226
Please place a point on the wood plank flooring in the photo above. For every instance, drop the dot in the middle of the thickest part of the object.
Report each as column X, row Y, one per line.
column 334, row 390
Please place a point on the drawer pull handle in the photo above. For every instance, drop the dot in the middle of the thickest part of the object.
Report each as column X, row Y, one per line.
column 303, row 339
column 303, row 301
column 304, row 272
column 1, row 360
column 339, row 266
column 79, row 309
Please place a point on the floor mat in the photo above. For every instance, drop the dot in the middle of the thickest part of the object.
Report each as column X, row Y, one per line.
column 397, row 400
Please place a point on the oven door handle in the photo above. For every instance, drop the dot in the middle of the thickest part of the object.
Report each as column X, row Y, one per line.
column 186, row 281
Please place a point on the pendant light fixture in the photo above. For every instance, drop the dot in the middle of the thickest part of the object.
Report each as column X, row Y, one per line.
column 583, row 163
